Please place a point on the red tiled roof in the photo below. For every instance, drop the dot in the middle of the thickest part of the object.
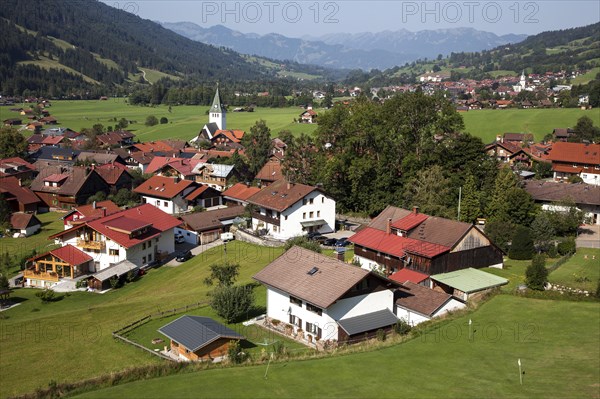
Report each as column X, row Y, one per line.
column 23, row 195
column 271, row 171
column 194, row 194
column 233, row 135
column 7, row 162
column 566, row 168
column 111, row 173
column 88, row 211
column 20, row 221
column 575, row 152
column 240, row 191
column 70, row 255
column 56, row 177
column 409, row 222
column 181, row 165
column 404, row 275
column 162, row 187
column 154, row 146
column 126, row 224
column 395, row 245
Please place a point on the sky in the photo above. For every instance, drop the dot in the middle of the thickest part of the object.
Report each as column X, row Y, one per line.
column 314, row 18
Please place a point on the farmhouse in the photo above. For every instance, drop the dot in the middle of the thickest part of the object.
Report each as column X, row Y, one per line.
column 217, row 176
column 143, row 235
column 398, row 238
column 286, row 210
column 308, row 116
column 321, row 298
column 119, row 138
column 507, row 152
column 196, row 338
column 176, row 167
column 576, row 159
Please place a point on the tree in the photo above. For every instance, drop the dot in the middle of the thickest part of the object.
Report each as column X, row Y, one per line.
column 470, row 206
column 542, row 231
column 99, row 196
column 4, row 282
column 430, row 191
column 12, row 143
column 303, row 242
column 122, row 124
column 164, row 120
column 224, row 274
column 521, row 247
column 497, row 208
column 124, row 197
column 500, row 232
column 566, row 217
column 536, row 275
column 258, row 146
column 521, row 206
column 151, row 120
column 585, row 130
column 232, row 302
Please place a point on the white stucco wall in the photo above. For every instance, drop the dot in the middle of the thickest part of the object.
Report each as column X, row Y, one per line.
column 591, row 176
column 362, row 304
column 413, row 318
column 366, row 264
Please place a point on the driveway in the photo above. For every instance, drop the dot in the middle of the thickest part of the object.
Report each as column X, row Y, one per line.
column 588, row 236
column 196, row 250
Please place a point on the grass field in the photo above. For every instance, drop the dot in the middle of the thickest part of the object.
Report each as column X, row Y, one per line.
column 39, row 242
column 579, row 272
column 559, row 360
column 184, row 121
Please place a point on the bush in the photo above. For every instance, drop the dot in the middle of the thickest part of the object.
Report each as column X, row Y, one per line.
column 81, row 284
column 303, row 242
column 164, row 120
column 380, row 335
column 114, row 282
column 552, row 252
column 567, row 246
column 235, row 353
column 521, row 247
column 151, row 120
column 3, row 282
column 402, row 327
column 46, row 295
column 536, row 275
column 232, row 302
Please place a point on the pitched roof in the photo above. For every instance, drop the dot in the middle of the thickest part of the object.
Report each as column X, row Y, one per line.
column 99, row 157
column 11, row 186
column 68, row 254
column 77, row 177
column 115, row 138
column 575, row 152
column 290, row 273
column 216, row 170
column 469, row 280
column 132, row 218
column 141, row 157
column 396, row 245
column 437, row 230
column 15, row 163
column 420, row 299
column 184, row 166
column 163, row 187
column 240, row 191
column 195, row 332
column 217, row 104
column 552, row 192
column 390, row 212
column 102, row 208
column 233, row 135
column 271, row 171
column 111, row 173
column 368, row 322
column 405, row 274
column 206, row 220
column 280, row 195
column 154, row 146
column 409, row 222
column 21, row 221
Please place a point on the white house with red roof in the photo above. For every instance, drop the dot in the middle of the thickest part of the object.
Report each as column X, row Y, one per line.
column 166, row 193
column 142, row 235
column 577, row 159
column 285, row 210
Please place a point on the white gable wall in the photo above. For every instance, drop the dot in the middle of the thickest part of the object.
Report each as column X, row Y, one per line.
column 413, row 318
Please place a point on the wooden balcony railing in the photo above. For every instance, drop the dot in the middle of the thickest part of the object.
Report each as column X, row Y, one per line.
column 266, row 219
column 99, row 245
column 47, row 276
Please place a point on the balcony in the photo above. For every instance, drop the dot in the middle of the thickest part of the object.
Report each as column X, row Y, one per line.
column 93, row 245
column 34, row 274
column 265, row 218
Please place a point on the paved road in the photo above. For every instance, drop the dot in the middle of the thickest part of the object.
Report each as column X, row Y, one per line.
column 589, row 236
column 196, row 250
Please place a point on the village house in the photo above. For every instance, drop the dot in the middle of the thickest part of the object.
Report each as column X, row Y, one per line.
column 308, row 116
column 17, row 167
column 416, row 303
column 226, row 139
column 239, row 193
column 197, row 338
column 83, row 213
column 319, row 298
column 270, row 172
column 555, row 196
column 99, row 158
column 119, row 138
column 399, row 238
column 45, row 270
column 217, row 176
column 116, row 175
column 173, row 167
column 207, row 226
column 576, row 159
column 509, row 153
column 142, row 235
column 65, row 188
column 59, row 155
column 24, row 224
column 19, row 198
column 284, row 210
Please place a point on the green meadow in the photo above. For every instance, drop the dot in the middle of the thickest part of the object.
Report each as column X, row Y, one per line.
column 557, row 342
column 581, row 271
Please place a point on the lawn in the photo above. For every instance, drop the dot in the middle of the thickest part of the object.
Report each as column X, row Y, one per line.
column 581, row 271
column 488, row 123
column 72, row 339
column 184, row 121
column 440, row 363
column 51, row 224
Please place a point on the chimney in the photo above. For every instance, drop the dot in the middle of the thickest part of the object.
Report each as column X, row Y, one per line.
column 341, row 254
column 388, row 227
column 103, row 212
column 94, row 205
column 415, row 209
column 289, row 185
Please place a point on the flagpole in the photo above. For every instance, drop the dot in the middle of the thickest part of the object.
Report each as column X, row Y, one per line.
column 520, row 372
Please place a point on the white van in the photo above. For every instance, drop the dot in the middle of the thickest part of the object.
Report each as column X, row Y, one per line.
column 226, row 237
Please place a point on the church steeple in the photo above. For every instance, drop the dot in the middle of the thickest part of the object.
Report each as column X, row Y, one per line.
column 217, row 111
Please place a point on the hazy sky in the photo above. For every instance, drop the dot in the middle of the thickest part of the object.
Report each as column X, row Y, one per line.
column 299, row 18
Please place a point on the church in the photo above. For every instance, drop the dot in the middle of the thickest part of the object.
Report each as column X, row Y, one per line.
column 215, row 131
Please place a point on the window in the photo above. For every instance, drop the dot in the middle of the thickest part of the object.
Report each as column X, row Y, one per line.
column 143, row 245
column 150, row 258
column 303, row 215
column 295, row 301
column 157, row 202
column 165, row 203
column 310, row 201
column 314, row 309
column 322, row 200
column 276, row 229
column 286, row 217
column 314, row 329
column 295, row 321
column 149, row 243
column 318, row 214
column 144, row 259
column 311, row 214
column 114, row 252
column 304, row 201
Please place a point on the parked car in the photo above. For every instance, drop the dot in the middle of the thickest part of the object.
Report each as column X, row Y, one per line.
column 315, row 236
column 330, row 242
column 182, row 256
column 225, row 237
column 179, row 238
column 342, row 242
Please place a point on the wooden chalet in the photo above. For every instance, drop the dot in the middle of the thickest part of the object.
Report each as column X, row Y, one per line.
column 47, row 269
column 398, row 238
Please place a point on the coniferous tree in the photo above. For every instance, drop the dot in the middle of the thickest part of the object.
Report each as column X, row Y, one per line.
column 536, row 274
column 521, row 247
column 470, row 207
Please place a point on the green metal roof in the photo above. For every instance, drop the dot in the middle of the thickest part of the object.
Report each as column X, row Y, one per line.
column 469, row 280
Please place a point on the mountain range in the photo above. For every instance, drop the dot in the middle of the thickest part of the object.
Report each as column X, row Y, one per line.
column 366, row 50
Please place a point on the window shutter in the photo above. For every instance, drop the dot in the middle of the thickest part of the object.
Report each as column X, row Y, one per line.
column 319, row 332
column 300, row 322
column 291, row 319
column 307, row 326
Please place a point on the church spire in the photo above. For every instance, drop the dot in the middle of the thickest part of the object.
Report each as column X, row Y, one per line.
column 217, row 111
column 217, row 105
